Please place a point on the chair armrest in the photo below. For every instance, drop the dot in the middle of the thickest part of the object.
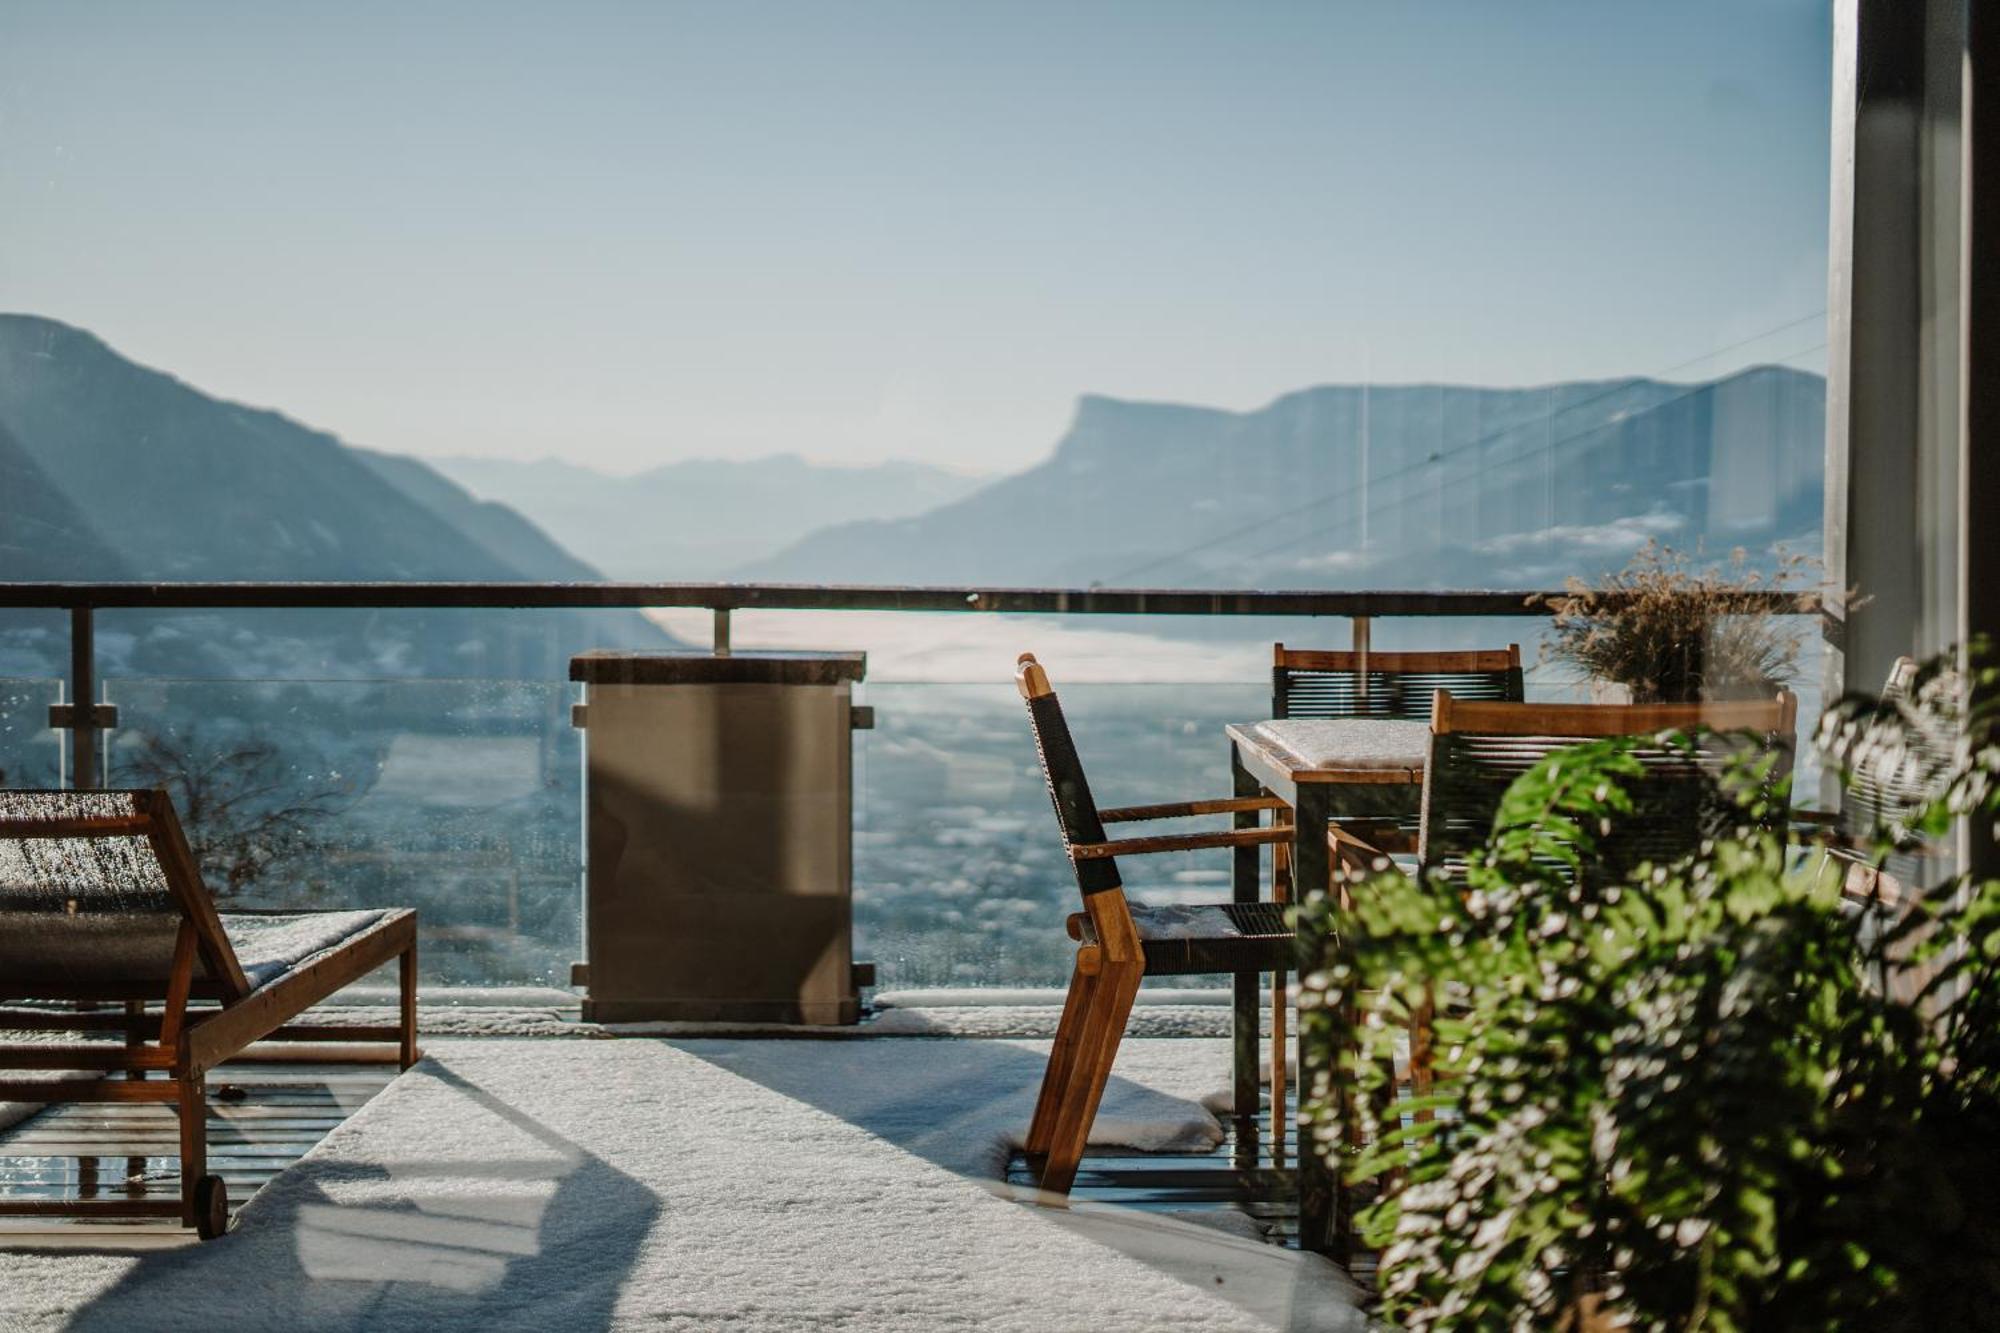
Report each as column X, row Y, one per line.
column 1382, row 837
column 1179, row 842
column 1353, row 857
column 1226, row 805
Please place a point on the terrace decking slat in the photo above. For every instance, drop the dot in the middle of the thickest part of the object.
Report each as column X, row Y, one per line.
column 160, row 1148
column 265, row 1126
column 120, row 1177
column 123, row 1187
column 89, row 1136
column 114, row 1144
column 130, row 1150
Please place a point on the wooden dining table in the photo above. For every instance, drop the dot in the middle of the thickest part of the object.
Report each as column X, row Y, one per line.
column 1324, row 769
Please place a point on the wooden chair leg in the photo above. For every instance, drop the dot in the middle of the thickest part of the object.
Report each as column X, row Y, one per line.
column 1062, row 1058
column 135, row 1032
column 1421, row 1041
column 1117, row 988
column 1069, row 1128
column 406, row 977
column 1420, row 1081
column 1278, row 1057
column 1247, row 1060
column 192, row 1104
column 1281, row 892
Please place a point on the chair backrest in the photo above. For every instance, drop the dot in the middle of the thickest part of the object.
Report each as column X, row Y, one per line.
column 1308, row 683
column 1069, row 791
column 1478, row 750
column 96, row 888
column 1886, row 790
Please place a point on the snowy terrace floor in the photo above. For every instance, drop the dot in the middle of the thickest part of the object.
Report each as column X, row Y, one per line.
column 676, row 1182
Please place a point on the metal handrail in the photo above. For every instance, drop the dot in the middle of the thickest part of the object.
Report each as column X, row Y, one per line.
column 83, row 600
column 780, row 596
column 819, row 597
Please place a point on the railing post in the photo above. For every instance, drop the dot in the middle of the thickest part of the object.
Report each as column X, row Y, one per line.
column 85, row 769
column 722, row 631
column 1361, row 632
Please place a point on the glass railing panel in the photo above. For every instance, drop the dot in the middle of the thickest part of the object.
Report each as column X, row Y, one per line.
column 458, row 797
column 462, row 797
column 31, row 752
column 960, row 877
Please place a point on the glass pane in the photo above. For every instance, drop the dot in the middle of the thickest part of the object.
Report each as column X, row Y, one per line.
column 459, row 798
column 960, row 877
column 31, row 753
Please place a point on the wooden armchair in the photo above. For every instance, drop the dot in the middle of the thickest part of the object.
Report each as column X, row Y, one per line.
column 100, row 900
column 1390, row 686
column 1882, row 870
column 1887, row 790
column 1478, row 749
column 1119, row 942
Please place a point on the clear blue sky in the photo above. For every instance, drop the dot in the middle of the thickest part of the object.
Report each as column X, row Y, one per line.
column 627, row 233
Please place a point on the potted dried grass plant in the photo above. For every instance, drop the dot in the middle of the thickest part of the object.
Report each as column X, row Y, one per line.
column 1669, row 629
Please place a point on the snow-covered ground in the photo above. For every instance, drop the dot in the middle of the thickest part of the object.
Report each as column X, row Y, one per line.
column 647, row 1184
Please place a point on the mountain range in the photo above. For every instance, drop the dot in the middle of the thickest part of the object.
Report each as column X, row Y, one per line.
column 181, row 485
column 1350, row 486
column 43, row 533
column 704, row 518
column 111, row 471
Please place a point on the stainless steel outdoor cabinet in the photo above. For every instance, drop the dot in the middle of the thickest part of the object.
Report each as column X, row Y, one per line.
column 719, row 820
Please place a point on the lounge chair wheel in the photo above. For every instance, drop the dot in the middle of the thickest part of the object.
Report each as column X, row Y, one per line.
column 211, row 1207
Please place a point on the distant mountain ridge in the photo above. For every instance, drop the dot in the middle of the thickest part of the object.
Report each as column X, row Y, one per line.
column 498, row 530
column 43, row 533
column 186, row 486
column 111, row 470
column 1406, row 486
column 115, row 471
column 704, row 518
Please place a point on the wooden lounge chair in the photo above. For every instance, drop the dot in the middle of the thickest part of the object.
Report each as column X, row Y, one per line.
column 1119, row 942
column 1478, row 749
column 100, row 900
column 1308, row 683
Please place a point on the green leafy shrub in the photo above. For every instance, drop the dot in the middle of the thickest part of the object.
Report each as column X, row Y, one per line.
column 1711, row 1096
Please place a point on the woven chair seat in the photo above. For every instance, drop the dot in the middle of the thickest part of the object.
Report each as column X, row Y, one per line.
column 1210, row 938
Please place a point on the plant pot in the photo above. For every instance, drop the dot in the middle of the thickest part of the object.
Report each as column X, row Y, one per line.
column 1610, row 692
